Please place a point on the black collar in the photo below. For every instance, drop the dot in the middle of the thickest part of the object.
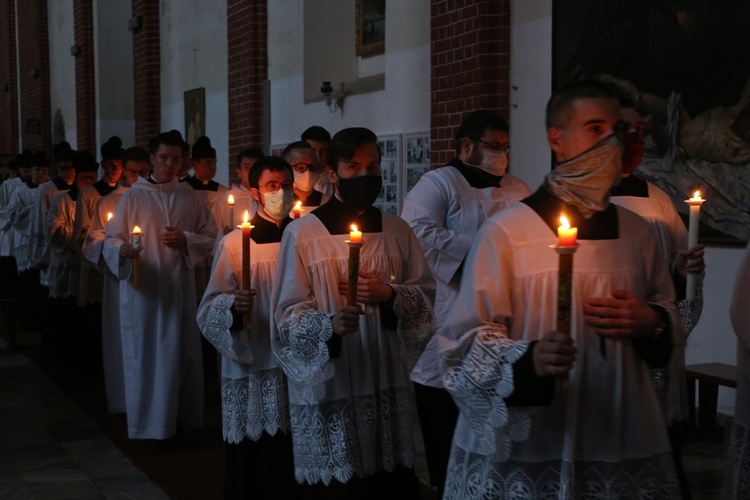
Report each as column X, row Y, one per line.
column 61, row 185
column 266, row 231
column 630, row 186
column 198, row 185
column 338, row 217
column 103, row 188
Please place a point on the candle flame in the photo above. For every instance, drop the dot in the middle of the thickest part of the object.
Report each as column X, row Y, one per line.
column 246, row 217
column 564, row 222
column 354, row 227
column 137, row 230
column 109, row 216
column 230, row 200
column 697, row 194
column 298, row 206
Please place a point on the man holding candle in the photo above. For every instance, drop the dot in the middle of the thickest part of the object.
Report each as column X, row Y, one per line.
column 445, row 209
column 301, row 156
column 255, row 403
column 161, row 340
column 243, row 200
column 348, row 366
column 502, row 350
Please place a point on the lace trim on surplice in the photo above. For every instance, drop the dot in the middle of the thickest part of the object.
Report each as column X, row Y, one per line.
column 253, row 405
column 359, row 435
column 473, row 476
column 737, row 479
column 302, row 351
column 479, row 376
column 215, row 326
column 416, row 323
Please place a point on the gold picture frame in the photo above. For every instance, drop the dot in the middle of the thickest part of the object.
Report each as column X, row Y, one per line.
column 370, row 21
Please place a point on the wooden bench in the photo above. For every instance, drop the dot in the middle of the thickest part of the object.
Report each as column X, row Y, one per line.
column 710, row 377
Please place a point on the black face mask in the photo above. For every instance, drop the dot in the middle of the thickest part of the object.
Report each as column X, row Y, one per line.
column 360, row 192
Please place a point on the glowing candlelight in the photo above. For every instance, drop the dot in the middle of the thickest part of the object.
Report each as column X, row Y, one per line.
column 136, row 239
column 109, row 216
column 246, row 227
column 695, row 214
column 566, row 235
column 230, row 210
column 355, row 236
column 297, row 210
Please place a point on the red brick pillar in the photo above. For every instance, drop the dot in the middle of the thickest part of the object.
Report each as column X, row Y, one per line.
column 470, row 44
column 8, row 75
column 146, row 72
column 33, row 50
column 247, row 34
column 83, row 16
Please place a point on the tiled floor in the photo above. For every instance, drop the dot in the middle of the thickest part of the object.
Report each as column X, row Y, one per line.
column 58, row 441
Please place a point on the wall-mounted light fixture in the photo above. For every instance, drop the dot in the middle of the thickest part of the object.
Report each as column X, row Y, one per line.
column 334, row 100
column 75, row 50
column 135, row 23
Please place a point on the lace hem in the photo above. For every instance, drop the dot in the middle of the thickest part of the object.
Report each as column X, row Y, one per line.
column 737, row 479
column 479, row 376
column 63, row 281
column 215, row 326
column 360, row 435
column 473, row 476
column 302, row 351
column 690, row 310
column 416, row 322
column 253, row 405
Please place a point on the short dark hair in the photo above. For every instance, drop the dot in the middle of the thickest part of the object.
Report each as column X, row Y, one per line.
column 294, row 146
column 135, row 154
column 252, row 153
column 171, row 138
column 477, row 122
column 559, row 105
column 346, row 143
column 271, row 163
column 316, row 133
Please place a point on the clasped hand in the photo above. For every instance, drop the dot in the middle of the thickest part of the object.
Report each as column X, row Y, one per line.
column 244, row 300
column 621, row 315
column 370, row 289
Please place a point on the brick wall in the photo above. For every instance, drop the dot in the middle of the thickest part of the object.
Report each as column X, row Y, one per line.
column 146, row 72
column 33, row 43
column 470, row 45
column 247, row 40
column 83, row 16
column 8, row 96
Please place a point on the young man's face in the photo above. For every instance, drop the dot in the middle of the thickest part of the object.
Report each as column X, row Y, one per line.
column 112, row 171
column 166, row 162
column 25, row 173
column 39, row 174
column 588, row 121
column 366, row 161
column 245, row 165
column 66, row 171
column 473, row 150
column 84, row 179
column 205, row 168
column 321, row 150
column 133, row 170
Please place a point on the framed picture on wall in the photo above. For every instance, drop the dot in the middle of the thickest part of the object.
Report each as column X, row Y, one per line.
column 195, row 114
column 391, row 195
column 370, row 28
column 417, row 158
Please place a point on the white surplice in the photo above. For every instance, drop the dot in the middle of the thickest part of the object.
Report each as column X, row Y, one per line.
column 253, row 387
column 64, row 259
column 21, row 209
column 605, row 435
column 161, row 340
column 446, row 212
column 38, row 251
column 353, row 414
column 114, row 377
column 243, row 201
column 7, row 248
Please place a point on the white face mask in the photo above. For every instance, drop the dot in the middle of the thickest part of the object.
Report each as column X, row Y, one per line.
column 278, row 205
column 304, row 181
column 493, row 163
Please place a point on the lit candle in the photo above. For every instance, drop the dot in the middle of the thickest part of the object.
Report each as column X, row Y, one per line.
column 695, row 214
column 230, row 210
column 109, row 216
column 355, row 236
column 246, row 227
column 297, row 210
column 566, row 235
column 136, row 239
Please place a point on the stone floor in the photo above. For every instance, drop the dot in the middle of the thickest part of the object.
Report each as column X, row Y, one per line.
column 58, row 441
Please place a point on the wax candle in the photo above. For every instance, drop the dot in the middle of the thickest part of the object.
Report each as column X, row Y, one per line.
column 355, row 236
column 297, row 210
column 136, row 240
column 566, row 235
column 109, row 216
column 695, row 214
column 230, row 210
column 246, row 227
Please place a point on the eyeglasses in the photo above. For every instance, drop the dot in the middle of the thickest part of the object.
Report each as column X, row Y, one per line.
column 301, row 168
column 273, row 187
column 501, row 148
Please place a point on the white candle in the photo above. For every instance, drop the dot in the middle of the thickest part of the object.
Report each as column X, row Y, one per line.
column 695, row 214
column 137, row 242
column 230, row 210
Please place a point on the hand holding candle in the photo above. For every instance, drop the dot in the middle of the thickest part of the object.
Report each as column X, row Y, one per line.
column 230, row 211
column 246, row 227
column 136, row 240
column 695, row 212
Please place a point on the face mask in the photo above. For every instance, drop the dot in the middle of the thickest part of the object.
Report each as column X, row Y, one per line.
column 304, row 181
column 585, row 180
column 493, row 163
column 360, row 192
column 633, row 149
column 278, row 205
